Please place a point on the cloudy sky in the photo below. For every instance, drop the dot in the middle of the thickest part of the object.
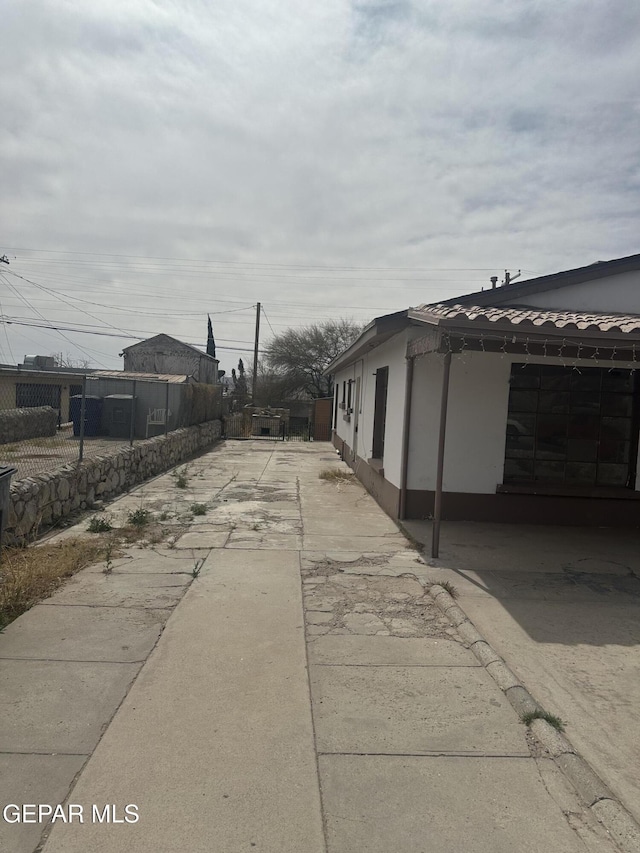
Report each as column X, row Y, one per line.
column 162, row 159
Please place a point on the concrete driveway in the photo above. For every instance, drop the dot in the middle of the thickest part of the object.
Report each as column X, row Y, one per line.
column 272, row 675
column 562, row 607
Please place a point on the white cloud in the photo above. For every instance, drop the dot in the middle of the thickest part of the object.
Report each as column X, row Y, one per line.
column 427, row 134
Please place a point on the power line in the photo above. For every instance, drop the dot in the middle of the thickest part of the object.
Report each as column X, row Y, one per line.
column 59, row 295
column 39, row 313
column 10, row 321
column 252, row 263
column 158, row 294
column 268, row 321
column 6, row 334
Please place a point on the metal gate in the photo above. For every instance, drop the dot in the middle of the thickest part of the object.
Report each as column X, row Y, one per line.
column 255, row 427
column 275, row 427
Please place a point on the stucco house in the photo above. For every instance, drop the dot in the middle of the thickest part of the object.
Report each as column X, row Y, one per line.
column 517, row 403
column 165, row 354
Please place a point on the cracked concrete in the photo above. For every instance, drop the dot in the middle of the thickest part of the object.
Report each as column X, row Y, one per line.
column 199, row 700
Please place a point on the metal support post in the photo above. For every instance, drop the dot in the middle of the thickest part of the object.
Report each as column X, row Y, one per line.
column 83, row 408
column 437, row 508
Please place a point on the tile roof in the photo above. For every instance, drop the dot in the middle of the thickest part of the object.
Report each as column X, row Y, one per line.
column 172, row 378
column 528, row 318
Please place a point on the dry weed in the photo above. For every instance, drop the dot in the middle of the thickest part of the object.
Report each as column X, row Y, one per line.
column 337, row 475
column 27, row 575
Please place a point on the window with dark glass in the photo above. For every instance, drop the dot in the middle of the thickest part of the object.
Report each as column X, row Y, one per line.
column 569, row 425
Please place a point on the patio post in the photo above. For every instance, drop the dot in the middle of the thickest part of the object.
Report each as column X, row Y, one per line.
column 437, row 507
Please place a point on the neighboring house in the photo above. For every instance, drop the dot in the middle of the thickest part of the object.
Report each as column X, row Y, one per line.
column 164, row 354
column 28, row 386
column 518, row 403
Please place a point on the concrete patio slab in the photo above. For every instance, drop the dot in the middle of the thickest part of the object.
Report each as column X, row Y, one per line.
column 530, row 547
column 158, row 560
column 399, row 710
column 53, row 706
column 83, row 634
column 217, row 747
column 389, row 651
column 203, row 538
column 256, row 539
column 232, row 510
column 583, row 662
column 120, row 590
column 444, row 804
column 392, row 543
column 344, row 525
column 33, row 779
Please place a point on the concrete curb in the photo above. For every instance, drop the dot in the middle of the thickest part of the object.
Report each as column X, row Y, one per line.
column 594, row 794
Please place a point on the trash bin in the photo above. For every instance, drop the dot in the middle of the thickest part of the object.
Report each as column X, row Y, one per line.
column 92, row 414
column 6, row 473
column 117, row 413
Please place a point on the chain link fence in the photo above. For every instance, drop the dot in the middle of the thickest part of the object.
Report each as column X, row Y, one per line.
column 49, row 419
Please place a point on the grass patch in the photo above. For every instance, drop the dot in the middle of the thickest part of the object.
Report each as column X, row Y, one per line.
column 100, row 524
column 199, row 509
column 181, row 477
column 139, row 517
column 552, row 719
column 337, row 475
column 449, row 587
column 27, row 575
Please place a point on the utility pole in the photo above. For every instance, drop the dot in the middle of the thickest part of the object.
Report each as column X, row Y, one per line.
column 255, row 356
column 508, row 278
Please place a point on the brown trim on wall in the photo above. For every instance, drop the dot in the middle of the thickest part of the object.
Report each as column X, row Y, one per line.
column 527, row 509
column 385, row 493
column 501, row 508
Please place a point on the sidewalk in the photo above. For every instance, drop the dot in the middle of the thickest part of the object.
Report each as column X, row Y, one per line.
column 194, row 698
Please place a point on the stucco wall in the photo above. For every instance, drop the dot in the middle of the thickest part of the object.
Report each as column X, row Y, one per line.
column 620, row 293
column 391, row 354
column 476, row 420
column 38, row 502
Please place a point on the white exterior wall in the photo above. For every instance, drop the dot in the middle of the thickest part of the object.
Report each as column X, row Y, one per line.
column 391, row 354
column 618, row 293
column 476, row 420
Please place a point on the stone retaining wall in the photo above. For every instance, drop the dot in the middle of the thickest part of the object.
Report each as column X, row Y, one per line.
column 20, row 424
column 38, row 502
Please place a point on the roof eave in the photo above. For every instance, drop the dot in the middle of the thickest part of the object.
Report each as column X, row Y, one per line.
column 377, row 332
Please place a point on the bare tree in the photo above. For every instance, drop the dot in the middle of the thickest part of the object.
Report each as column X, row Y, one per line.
column 66, row 361
column 300, row 356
